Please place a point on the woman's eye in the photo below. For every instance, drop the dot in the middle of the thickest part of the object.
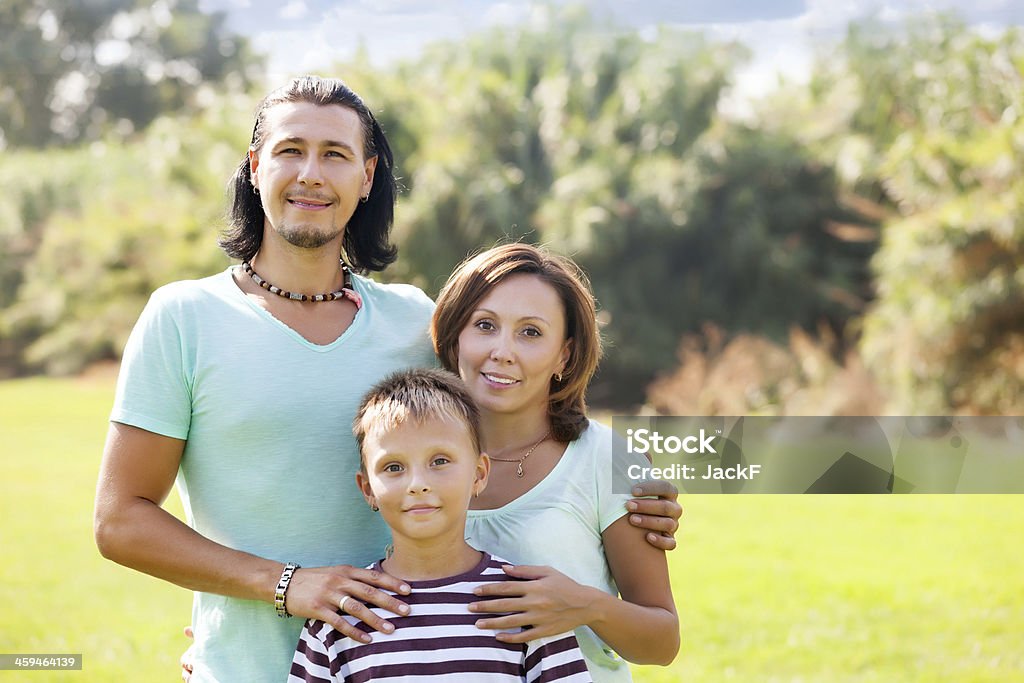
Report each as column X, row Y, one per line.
column 531, row 332
column 485, row 325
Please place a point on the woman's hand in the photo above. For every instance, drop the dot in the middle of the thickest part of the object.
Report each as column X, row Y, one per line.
column 659, row 516
column 547, row 604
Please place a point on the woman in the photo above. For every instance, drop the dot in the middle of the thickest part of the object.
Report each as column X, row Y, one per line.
column 518, row 325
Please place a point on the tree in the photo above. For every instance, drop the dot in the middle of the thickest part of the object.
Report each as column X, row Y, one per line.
column 606, row 145
column 74, row 71
column 114, row 224
column 938, row 110
column 742, row 233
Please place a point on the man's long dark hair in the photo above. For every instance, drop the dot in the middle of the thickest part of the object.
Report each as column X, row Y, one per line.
column 365, row 245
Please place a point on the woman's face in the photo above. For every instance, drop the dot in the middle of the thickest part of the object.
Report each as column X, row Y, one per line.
column 513, row 344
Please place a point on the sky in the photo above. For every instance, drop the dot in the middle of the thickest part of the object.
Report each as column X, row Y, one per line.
column 303, row 36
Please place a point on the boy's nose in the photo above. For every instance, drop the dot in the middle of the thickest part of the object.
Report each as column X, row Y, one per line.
column 418, row 483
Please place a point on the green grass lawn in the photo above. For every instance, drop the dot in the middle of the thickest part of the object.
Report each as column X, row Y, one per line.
column 58, row 594
column 769, row 588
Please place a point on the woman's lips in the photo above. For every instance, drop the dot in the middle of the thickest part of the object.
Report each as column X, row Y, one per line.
column 499, row 381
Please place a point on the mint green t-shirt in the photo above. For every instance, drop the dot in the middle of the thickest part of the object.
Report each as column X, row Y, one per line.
column 559, row 522
column 269, row 462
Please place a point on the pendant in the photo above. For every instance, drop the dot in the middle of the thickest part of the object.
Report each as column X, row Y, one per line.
column 519, row 470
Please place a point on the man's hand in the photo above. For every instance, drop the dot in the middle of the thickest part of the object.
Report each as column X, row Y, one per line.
column 318, row 592
column 186, row 657
column 659, row 516
column 547, row 604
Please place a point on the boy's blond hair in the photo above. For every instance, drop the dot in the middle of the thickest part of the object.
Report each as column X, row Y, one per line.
column 418, row 395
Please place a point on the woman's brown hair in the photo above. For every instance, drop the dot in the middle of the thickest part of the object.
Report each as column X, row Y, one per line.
column 474, row 279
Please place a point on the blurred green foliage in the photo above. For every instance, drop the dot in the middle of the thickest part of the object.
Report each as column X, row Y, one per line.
column 73, row 71
column 928, row 125
column 607, row 145
column 88, row 233
column 879, row 202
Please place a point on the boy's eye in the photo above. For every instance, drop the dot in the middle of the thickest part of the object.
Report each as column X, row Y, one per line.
column 393, row 467
column 441, row 460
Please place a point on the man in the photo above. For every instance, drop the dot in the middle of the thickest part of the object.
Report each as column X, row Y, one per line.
column 242, row 385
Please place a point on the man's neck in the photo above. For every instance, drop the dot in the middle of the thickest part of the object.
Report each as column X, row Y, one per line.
column 305, row 271
column 412, row 561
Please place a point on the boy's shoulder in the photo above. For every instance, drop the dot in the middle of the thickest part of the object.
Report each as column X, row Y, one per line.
column 490, row 568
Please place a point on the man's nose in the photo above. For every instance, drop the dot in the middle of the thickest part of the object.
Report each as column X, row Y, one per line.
column 310, row 172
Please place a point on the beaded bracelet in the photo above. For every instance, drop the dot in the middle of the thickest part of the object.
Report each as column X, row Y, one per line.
column 282, row 588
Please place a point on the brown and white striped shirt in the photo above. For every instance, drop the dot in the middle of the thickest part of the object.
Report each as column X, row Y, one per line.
column 438, row 641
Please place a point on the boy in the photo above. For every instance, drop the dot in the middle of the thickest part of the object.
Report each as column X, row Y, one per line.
column 419, row 443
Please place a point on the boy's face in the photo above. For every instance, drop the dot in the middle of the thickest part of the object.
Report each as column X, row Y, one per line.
column 422, row 476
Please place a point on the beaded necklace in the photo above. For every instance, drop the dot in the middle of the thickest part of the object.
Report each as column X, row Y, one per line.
column 346, row 290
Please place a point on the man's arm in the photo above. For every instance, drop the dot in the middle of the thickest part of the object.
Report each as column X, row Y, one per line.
column 132, row 529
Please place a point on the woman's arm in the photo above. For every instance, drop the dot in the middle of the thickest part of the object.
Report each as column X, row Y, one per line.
column 642, row 626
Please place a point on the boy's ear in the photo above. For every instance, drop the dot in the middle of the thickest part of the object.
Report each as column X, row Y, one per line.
column 363, row 482
column 483, row 471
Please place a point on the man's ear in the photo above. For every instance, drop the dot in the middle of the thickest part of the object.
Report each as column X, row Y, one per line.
column 254, row 162
column 369, row 167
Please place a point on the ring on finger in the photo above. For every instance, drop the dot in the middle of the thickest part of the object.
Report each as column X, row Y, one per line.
column 341, row 605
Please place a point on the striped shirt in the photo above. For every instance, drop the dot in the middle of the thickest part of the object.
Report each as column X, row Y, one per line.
column 438, row 641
